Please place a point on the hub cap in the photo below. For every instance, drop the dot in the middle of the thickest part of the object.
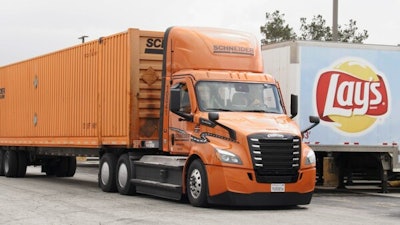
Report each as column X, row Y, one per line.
column 105, row 173
column 122, row 175
column 195, row 183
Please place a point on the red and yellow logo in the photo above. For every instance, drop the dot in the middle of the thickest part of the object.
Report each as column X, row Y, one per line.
column 351, row 96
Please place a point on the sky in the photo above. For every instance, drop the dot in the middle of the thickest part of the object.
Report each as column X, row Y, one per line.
column 30, row 28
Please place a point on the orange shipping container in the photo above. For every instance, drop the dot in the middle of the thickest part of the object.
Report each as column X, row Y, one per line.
column 101, row 93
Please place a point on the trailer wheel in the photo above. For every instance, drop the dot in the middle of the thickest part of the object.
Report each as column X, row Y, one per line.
column 107, row 178
column 71, row 167
column 124, row 176
column 49, row 166
column 22, row 164
column 1, row 163
column 66, row 167
column 10, row 163
column 196, row 184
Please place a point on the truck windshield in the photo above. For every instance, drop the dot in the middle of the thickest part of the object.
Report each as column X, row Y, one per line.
column 238, row 97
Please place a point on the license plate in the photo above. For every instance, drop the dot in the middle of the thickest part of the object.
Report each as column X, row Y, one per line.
column 277, row 187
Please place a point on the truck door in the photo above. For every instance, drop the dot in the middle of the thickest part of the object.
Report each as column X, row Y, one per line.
column 181, row 124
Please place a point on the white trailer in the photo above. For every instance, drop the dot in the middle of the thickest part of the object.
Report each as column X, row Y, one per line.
column 355, row 90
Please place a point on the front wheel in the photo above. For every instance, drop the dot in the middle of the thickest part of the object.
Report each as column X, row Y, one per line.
column 197, row 184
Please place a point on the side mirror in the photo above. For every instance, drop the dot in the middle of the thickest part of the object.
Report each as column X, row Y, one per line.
column 175, row 100
column 175, row 105
column 314, row 120
column 294, row 101
column 213, row 116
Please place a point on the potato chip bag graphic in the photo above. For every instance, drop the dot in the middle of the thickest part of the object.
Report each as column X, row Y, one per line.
column 351, row 96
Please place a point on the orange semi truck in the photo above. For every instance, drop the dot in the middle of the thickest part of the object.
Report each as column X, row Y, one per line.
column 187, row 112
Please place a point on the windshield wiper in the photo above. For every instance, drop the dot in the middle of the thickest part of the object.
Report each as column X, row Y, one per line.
column 257, row 110
column 253, row 110
column 220, row 109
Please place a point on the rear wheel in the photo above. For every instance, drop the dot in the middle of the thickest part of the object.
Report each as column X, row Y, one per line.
column 124, row 176
column 66, row 167
column 22, row 164
column 107, row 177
column 1, row 163
column 49, row 167
column 196, row 184
column 71, row 167
column 10, row 163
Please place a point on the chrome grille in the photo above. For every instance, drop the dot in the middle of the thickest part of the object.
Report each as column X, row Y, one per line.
column 276, row 157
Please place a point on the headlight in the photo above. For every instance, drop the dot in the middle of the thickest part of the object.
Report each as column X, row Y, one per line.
column 227, row 157
column 310, row 159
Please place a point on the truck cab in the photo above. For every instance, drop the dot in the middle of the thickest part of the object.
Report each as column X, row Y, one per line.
column 228, row 118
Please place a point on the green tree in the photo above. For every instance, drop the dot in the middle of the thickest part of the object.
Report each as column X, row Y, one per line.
column 348, row 34
column 275, row 29
column 315, row 30
column 318, row 30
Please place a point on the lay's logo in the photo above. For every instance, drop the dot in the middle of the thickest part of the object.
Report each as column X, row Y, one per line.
column 351, row 96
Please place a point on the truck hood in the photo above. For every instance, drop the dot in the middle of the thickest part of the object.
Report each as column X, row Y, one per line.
column 248, row 123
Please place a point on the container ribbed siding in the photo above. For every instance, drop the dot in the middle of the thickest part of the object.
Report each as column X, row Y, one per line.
column 88, row 95
column 148, row 89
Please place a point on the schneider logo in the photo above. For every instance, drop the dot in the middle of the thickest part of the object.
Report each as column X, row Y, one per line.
column 351, row 96
column 154, row 46
column 226, row 49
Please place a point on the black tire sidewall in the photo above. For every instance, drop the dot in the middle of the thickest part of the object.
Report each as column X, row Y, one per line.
column 71, row 166
column 129, row 188
column 1, row 162
column 110, row 159
column 201, row 201
column 12, row 160
column 22, row 164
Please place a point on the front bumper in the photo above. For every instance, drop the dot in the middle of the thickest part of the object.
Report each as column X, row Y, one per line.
column 261, row 199
column 236, row 186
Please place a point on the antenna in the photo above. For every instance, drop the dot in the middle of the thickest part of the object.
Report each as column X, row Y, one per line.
column 83, row 38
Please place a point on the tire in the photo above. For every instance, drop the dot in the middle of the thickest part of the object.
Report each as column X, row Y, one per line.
column 197, row 184
column 66, row 167
column 124, row 174
column 71, row 167
column 107, row 178
column 1, row 163
column 49, row 166
column 10, row 163
column 62, row 167
column 49, row 169
column 22, row 164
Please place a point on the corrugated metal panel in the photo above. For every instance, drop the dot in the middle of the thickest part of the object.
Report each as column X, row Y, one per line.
column 149, row 84
column 104, row 92
column 114, row 86
column 53, row 97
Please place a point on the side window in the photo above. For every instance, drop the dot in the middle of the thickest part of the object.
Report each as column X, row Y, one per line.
column 185, row 106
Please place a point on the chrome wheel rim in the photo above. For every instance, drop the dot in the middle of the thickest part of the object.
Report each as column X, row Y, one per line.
column 105, row 173
column 6, row 164
column 122, row 175
column 195, row 183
